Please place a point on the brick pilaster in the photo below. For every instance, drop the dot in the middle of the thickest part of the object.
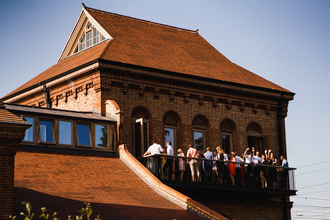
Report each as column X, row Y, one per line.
column 11, row 136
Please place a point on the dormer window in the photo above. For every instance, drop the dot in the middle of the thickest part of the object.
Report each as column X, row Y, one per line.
column 90, row 37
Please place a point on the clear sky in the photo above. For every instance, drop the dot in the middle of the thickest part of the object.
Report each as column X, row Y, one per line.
column 286, row 42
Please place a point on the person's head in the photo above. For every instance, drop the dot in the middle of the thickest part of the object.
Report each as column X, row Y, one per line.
column 169, row 143
column 263, row 157
column 218, row 149
column 208, row 149
column 271, row 155
column 190, row 145
column 179, row 151
column 258, row 154
column 215, row 152
column 155, row 141
column 233, row 154
column 282, row 158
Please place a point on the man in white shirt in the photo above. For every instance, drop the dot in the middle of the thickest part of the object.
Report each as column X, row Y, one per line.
column 154, row 164
column 168, row 167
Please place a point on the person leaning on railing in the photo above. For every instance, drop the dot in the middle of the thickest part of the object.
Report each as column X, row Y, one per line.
column 155, row 148
column 193, row 164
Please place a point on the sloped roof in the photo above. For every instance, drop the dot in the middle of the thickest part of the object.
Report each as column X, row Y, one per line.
column 148, row 44
column 62, row 183
column 6, row 117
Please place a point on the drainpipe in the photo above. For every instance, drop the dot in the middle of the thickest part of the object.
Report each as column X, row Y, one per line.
column 47, row 97
column 280, row 140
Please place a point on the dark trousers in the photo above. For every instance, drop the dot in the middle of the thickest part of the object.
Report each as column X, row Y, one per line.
column 168, row 168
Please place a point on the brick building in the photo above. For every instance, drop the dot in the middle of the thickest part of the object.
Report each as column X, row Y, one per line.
column 166, row 83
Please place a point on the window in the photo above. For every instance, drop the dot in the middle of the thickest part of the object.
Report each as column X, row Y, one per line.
column 82, row 43
column 226, row 143
column 169, row 136
column 227, row 128
column 83, row 134
column 89, row 38
column 96, row 36
column 199, row 140
column 171, row 121
column 199, row 124
column 46, row 130
column 29, row 132
column 101, row 136
column 65, row 132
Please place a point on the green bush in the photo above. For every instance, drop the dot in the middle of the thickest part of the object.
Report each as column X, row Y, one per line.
column 29, row 215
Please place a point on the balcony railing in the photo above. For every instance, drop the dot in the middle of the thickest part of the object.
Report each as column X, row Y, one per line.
column 216, row 174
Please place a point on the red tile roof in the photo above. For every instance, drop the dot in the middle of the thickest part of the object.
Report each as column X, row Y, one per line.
column 6, row 117
column 62, row 183
column 148, row 44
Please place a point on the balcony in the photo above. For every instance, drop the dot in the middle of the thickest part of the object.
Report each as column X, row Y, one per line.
column 259, row 179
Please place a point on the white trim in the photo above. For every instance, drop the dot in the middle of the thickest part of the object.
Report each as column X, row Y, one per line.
column 77, row 32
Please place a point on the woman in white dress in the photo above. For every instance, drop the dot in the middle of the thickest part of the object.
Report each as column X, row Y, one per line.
column 181, row 163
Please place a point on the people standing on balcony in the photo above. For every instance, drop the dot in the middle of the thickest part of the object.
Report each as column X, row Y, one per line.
column 225, row 176
column 154, row 165
column 220, row 164
column 284, row 173
column 248, row 167
column 238, row 167
column 272, row 170
column 162, row 164
column 215, row 168
column 264, row 171
column 181, row 163
column 168, row 167
column 257, row 160
column 193, row 164
column 231, row 168
column 208, row 164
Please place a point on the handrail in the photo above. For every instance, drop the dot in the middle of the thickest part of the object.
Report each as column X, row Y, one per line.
column 257, row 175
column 222, row 161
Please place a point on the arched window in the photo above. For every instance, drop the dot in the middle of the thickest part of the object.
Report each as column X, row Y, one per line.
column 170, row 121
column 199, row 128
column 227, row 128
column 254, row 136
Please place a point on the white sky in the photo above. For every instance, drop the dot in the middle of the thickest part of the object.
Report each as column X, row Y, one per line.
column 286, row 42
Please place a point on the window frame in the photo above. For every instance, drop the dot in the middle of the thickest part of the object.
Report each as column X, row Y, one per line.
column 72, row 132
column 204, row 138
column 52, row 120
column 90, row 132
column 108, row 135
column 33, row 127
column 174, row 143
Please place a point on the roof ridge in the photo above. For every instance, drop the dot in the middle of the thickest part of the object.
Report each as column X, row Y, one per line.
column 142, row 20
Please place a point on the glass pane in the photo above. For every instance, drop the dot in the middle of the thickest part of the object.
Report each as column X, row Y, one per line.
column 65, row 132
column 226, row 140
column 89, row 39
column 82, row 43
column 46, row 131
column 29, row 132
column 83, row 134
column 96, row 36
column 169, row 136
column 198, row 137
column 101, row 136
column 102, row 38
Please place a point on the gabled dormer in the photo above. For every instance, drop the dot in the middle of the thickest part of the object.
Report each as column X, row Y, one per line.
column 86, row 33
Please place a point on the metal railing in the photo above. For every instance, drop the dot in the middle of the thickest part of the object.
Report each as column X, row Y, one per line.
column 176, row 168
